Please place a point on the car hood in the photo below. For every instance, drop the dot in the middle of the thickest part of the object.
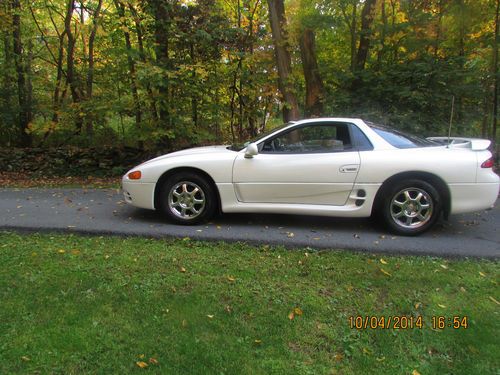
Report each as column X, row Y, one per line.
column 193, row 151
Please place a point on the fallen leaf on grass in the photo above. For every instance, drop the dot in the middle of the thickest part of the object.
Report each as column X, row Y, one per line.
column 231, row 279
column 443, row 266
column 182, row 269
column 61, row 251
column 385, row 272
column 210, row 316
column 442, row 306
column 153, row 361
column 382, row 261
column 494, row 300
column 141, row 364
column 339, row 357
column 258, row 342
column 296, row 311
column 415, row 372
column 25, row 358
column 482, row 274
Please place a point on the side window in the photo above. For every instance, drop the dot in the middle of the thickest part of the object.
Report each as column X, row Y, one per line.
column 360, row 140
column 313, row 138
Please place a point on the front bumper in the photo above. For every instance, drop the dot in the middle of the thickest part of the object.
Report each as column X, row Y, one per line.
column 139, row 194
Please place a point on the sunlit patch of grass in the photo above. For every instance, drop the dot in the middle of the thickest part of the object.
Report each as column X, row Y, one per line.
column 72, row 304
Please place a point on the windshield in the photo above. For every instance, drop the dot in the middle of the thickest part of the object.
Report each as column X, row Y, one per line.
column 400, row 139
column 240, row 146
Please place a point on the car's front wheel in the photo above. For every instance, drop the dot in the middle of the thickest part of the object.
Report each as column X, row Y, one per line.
column 411, row 207
column 187, row 198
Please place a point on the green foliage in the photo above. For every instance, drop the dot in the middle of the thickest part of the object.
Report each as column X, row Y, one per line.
column 203, row 71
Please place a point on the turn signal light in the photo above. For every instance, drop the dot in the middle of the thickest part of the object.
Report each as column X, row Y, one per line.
column 488, row 163
column 135, row 175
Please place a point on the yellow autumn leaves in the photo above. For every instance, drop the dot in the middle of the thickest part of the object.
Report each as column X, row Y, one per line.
column 297, row 311
column 143, row 364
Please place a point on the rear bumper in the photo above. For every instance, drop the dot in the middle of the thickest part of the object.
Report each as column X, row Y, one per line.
column 473, row 197
column 139, row 194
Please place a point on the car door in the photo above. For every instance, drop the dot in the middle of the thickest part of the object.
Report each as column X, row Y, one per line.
column 312, row 163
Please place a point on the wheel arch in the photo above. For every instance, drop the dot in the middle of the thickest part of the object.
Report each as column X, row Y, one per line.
column 176, row 170
column 437, row 182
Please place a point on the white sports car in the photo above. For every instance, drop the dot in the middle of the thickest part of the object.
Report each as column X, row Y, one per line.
column 329, row 166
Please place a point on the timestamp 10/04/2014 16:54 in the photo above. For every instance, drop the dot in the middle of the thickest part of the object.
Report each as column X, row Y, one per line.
column 362, row 322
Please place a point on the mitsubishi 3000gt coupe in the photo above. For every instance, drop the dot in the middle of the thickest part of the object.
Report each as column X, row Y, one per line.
column 331, row 167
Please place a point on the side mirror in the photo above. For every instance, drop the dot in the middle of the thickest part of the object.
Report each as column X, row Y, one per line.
column 251, row 151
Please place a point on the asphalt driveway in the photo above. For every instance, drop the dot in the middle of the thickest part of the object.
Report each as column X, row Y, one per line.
column 103, row 211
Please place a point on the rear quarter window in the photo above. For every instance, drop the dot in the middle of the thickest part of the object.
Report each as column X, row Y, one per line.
column 399, row 139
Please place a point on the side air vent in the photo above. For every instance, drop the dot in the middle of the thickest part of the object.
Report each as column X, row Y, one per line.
column 361, row 195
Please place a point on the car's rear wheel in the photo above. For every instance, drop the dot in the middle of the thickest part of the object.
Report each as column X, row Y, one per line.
column 411, row 207
column 187, row 198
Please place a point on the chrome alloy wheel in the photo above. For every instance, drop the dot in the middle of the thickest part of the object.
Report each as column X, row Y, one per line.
column 411, row 208
column 186, row 200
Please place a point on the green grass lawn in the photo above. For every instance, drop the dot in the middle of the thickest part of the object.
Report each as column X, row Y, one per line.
column 101, row 305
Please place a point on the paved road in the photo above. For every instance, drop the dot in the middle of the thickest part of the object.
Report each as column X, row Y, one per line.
column 103, row 211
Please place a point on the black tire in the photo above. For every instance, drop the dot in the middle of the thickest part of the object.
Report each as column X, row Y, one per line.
column 410, row 207
column 184, row 184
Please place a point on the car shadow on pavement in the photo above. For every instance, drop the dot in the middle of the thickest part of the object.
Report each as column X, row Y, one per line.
column 245, row 221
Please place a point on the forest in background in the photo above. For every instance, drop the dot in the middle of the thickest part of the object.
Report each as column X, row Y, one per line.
column 169, row 74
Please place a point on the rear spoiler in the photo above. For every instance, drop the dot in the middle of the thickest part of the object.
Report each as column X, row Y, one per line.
column 476, row 144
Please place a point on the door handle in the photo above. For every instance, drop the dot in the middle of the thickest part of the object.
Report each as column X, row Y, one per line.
column 350, row 168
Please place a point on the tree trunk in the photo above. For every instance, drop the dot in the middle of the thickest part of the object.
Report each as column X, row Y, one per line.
column 283, row 60
column 120, row 8
column 364, row 38
column 9, row 107
column 57, row 89
column 383, row 33
column 161, row 33
column 70, row 66
column 314, row 85
column 142, row 56
column 24, row 115
column 354, row 36
column 89, row 126
column 495, row 83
